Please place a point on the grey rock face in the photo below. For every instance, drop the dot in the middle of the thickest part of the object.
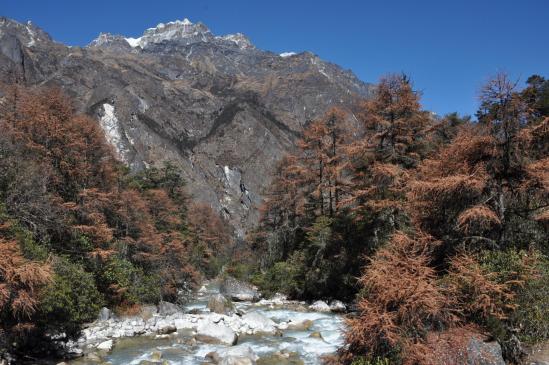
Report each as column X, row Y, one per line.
column 219, row 108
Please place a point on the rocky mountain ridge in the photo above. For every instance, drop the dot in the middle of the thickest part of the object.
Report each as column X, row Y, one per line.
column 221, row 109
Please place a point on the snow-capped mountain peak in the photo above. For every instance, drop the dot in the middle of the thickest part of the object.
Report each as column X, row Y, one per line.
column 239, row 39
column 180, row 31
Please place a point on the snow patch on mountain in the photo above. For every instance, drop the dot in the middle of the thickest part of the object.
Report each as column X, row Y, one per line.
column 287, row 54
column 133, row 42
column 110, row 125
column 32, row 35
column 320, row 65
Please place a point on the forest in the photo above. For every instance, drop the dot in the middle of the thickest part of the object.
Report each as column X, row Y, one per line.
column 79, row 232
column 434, row 227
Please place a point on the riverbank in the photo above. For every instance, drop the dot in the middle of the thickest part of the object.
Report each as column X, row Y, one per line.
column 266, row 331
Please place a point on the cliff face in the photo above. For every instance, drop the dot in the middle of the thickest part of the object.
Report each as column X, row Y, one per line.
column 221, row 109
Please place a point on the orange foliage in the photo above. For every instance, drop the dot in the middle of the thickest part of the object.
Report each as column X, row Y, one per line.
column 74, row 145
column 321, row 161
column 395, row 130
column 91, row 221
column 474, row 292
column 209, row 228
column 21, row 280
column 477, row 218
column 449, row 192
column 401, row 300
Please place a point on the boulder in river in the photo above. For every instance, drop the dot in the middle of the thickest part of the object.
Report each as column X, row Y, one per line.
column 149, row 362
column 156, row 356
column 320, row 306
column 219, row 304
column 235, row 360
column 238, row 355
column 259, row 323
column 282, row 357
column 316, row 334
column 300, row 326
column 215, row 333
column 238, row 291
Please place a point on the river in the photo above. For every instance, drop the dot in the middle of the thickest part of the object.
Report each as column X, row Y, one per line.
column 322, row 335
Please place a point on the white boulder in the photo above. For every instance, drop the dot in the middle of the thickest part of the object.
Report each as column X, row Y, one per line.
column 215, row 333
column 105, row 345
column 257, row 322
column 238, row 355
column 337, row 306
column 320, row 306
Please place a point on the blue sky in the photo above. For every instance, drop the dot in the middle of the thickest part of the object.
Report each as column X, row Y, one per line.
column 448, row 47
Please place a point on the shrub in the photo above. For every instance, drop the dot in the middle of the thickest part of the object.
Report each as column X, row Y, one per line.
column 529, row 272
column 285, row 277
column 532, row 314
column 71, row 299
column 128, row 285
column 30, row 249
column 475, row 291
column 241, row 270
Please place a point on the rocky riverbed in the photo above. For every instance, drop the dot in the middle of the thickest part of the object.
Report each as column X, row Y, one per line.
column 212, row 329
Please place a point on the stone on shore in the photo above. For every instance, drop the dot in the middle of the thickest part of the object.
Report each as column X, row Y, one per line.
column 104, row 314
column 167, row 308
column 105, row 345
column 337, row 306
